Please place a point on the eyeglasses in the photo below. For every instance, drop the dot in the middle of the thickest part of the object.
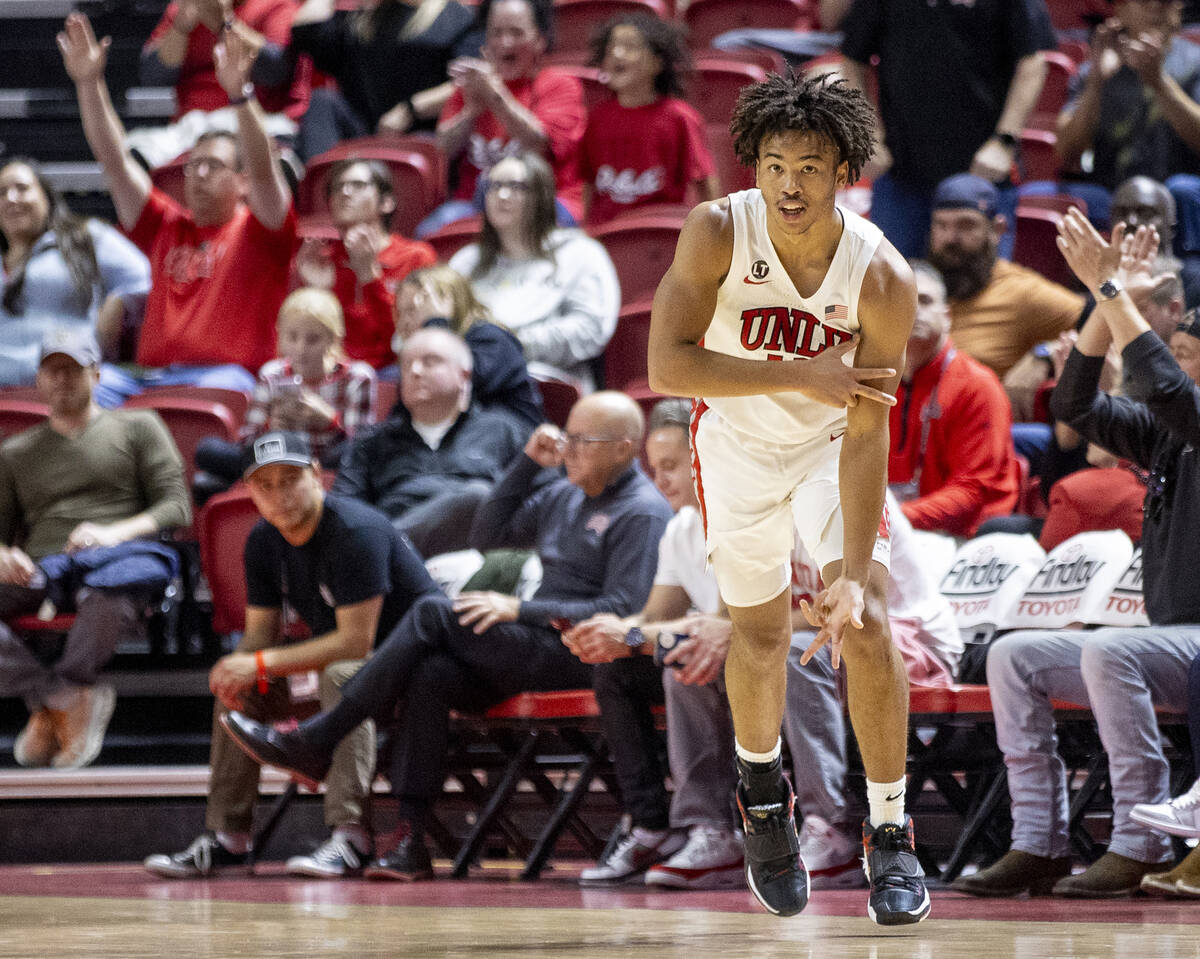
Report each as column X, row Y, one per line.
column 575, row 440
column 198, row 166
column 513, row 186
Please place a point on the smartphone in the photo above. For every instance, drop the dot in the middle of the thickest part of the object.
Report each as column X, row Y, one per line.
column 666, row 643
column 562, row 624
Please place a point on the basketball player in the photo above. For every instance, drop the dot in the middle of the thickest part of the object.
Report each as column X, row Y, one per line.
column 770, row 292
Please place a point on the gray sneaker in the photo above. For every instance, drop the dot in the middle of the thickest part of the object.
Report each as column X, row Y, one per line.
column 335, row 858
column 638, row 850
column 201, row 859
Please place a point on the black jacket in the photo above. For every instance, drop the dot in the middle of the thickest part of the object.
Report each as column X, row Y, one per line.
column 1156, row 425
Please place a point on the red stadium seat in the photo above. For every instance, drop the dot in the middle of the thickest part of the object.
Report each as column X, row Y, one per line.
column 1077, row 14
column 189, row 420
column 169, row 178
column 418, row 170
column 224, row 524
column 235, row 401
column 576, row 20
column 641, row 248
column 714, row 84
column 1060, row 70
column 454, row 236
column 1039, row 158
column 1036, row 244
column 730, row 172
column 17, row 415
column 706, row 19
column 557, row 399
column 625, row 355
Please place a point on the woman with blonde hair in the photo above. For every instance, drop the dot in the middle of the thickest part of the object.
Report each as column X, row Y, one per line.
column 310, row 387
column 440, row 296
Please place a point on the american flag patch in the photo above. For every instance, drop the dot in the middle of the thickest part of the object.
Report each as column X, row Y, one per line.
column 837, row 312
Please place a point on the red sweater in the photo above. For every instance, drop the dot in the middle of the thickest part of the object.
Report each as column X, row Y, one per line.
column 969, row 470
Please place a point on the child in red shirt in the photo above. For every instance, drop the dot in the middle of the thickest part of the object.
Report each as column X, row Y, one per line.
column 646, row 145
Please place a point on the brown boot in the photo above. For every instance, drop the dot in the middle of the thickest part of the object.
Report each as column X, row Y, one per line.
column 38, row 742
column 1014, row 873
column 1183, row 880
column 1109, row 877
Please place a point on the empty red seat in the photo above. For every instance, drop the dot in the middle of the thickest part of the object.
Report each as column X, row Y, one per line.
column 1036, row 244
column 715, row 82
column 454, row 236
column 18, row 414
column 625, row 355
column 224, row 525
column 641, row 248
column 706, row 19
column 557, row 399
column 1039, row 156
column 576, row 20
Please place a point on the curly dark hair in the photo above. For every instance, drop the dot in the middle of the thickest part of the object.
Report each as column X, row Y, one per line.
column 666, row 40
column 825, row 105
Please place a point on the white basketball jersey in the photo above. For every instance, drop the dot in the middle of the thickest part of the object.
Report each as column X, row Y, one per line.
column 761, row 316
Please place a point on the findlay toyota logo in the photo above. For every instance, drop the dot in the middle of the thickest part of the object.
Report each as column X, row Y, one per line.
column 759, row 271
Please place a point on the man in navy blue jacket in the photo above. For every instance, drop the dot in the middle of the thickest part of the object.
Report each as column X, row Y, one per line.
column 596, row 532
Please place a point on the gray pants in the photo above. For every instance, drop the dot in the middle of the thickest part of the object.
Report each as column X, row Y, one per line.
column 700, row 743
column 102, row 619
column 1122, row 675
column 442, row 524
column 233, row 779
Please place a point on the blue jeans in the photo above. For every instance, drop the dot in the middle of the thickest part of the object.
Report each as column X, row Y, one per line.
column 228, row 376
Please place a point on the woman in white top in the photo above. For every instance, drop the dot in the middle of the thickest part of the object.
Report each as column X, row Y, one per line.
column 555, row 289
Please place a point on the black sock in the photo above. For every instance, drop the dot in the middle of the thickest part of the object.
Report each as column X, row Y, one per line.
column 762, row 783
column 326, row 730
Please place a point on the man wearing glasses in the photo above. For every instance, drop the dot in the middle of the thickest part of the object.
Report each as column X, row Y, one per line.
column 596, row 532
column 219, row 264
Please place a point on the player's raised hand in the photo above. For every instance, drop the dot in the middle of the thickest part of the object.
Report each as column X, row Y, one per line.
column 827, row 378
column 83, row 55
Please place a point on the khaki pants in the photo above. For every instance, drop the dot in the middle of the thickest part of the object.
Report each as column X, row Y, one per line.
column 233, row 783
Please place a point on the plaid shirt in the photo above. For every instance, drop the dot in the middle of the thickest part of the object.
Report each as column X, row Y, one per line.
column 349, row 389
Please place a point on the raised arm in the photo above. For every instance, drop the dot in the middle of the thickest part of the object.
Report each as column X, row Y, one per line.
column 84, row 58
column 681, row 314
column 1076, row 126
column 268, row 197
column 993, row 160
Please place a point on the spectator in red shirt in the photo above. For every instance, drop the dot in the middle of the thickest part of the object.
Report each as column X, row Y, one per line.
column 219, row 267
column 506, row 103
column 179, row 54
column 366, row 264
column 646, row 145
column 951, row 462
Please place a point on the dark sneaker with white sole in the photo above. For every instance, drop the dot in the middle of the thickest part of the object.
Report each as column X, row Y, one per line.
column 774, row 869
column 898, row 894
column 406, row 858
column 203, row 858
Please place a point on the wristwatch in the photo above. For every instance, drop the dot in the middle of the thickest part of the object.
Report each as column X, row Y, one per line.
column 635, row 639
column 1008, row 139
column 1109, row 288
column 246, row 95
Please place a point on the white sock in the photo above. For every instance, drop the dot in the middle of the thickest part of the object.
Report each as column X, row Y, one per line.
column 752, row 757
column 886, row 802
column 649, row 837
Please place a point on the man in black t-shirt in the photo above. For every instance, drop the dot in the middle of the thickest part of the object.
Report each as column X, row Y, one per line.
column 957, row 82
column 339, row 568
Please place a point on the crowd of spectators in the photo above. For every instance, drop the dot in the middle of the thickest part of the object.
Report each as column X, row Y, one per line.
column 228, row 288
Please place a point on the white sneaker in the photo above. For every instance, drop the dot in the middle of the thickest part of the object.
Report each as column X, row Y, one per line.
column 1179, row 817
column 335, row 858
column 833, row 858
column 711, row 859
column 638, row 850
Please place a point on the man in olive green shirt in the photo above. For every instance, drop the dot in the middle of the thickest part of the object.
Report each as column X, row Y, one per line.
column 84, row 479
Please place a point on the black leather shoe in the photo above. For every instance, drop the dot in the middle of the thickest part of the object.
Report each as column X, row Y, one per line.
column 304, row 762
column 406, row 861
column 898, row 894
column 774, row 869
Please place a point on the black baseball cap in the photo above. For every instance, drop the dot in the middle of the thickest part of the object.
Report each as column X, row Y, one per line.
column 278, row 446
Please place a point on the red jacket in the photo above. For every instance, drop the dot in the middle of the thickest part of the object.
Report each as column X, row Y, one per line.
column 968, row 472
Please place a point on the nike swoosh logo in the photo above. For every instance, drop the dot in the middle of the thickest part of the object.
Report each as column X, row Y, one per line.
column 892, row 798
column 746, row 279
column 834, row 437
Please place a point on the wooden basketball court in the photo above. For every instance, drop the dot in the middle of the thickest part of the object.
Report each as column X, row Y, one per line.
column 121, row 911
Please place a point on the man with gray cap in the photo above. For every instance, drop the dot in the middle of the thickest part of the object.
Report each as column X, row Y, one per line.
column 338, row 567
column 85, row 479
